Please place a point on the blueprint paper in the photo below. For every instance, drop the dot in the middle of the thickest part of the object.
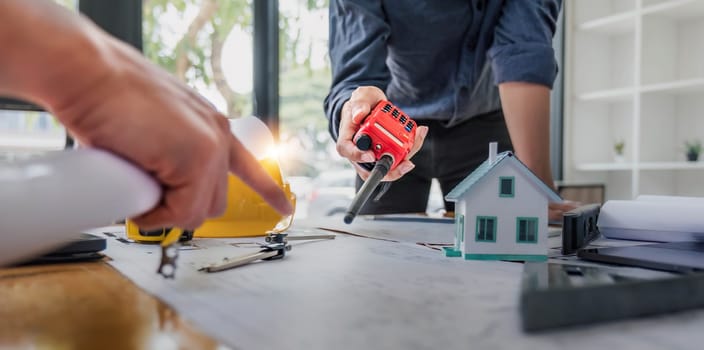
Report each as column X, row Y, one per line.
column 410, row 229
column 362, row 293
column 653, row 218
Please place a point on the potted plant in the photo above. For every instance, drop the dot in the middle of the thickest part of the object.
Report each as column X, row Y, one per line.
column 619, row 146
column 693, row 148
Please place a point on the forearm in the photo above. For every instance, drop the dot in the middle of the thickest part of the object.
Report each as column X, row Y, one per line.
column 526, row 109
column 357, row 50
column 50, row 54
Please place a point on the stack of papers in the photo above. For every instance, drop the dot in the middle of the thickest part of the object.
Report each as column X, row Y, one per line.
column 653, row 218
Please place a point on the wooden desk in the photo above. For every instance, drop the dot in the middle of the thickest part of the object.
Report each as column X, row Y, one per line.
column 86, row 306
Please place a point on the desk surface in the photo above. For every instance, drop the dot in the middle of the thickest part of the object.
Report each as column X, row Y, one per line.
column 380, row 290
column 350, row 293
column 86, row 306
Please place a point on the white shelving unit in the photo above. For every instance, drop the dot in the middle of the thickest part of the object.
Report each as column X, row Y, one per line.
column 634, row 71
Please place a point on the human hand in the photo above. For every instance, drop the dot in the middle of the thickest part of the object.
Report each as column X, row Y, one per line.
column 557, row 210
column 134, row 109
column 360, row 104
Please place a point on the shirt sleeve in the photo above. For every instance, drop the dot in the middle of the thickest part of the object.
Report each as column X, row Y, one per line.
column 522, row 48
column 357, row 48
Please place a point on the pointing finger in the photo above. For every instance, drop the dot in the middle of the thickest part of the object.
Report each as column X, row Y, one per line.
column 247, row 168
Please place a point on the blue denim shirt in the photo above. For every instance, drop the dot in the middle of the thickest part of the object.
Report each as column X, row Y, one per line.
column 439, row 59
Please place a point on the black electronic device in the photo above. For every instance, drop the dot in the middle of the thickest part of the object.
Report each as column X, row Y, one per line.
column 673, row 256
column 85, row 247
column 579, row 227
column 557, row 295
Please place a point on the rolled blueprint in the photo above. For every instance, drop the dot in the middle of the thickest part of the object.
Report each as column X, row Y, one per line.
column 653, row 218
column 48, row 200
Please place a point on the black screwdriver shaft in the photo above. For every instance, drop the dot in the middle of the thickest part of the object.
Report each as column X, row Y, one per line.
column 380, row 170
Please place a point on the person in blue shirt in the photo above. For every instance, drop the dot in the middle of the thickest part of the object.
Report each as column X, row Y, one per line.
column 468, row 71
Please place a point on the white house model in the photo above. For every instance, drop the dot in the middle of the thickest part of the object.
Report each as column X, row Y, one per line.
column 501, row 212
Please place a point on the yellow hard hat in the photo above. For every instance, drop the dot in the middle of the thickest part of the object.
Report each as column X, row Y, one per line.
column 247, row 214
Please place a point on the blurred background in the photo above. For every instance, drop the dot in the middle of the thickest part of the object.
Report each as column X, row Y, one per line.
column 209, row 44
column 626, row 107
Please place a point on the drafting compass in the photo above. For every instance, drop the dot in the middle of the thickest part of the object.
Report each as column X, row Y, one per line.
column 275, row 249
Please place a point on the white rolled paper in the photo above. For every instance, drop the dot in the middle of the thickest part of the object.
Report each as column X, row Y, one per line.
column 653, row 218
column 48, row 200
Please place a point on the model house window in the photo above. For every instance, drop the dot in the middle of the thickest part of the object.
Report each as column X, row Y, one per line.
column 506, row 186
column 486, row 229
column 527, row 230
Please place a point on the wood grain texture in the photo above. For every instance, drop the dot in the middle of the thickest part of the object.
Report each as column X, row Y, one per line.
column 86, row 306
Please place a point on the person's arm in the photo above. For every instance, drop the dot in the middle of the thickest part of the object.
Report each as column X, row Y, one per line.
column 529, row 105
column 526, row 108
column 108, row 96
column 523, row 62
column 524, row 67
column 357, row 47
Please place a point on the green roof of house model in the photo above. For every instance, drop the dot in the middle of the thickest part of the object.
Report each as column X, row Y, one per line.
column 486, row 168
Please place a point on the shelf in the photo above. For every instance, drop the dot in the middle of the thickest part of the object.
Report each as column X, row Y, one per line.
column 670, row 165
column 634, row 72
column 641, row 166
column 604, row 166
column 611, row 95
column 676, row 87
column 624, row 94
column 619, row 23
column 676, row 9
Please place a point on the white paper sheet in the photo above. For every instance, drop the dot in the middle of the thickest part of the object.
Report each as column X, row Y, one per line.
column 653, row 218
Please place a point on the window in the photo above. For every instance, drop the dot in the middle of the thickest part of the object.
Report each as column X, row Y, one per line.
column 205, row 44
column 25, row 130
column 526, row 230
column 486, row 229
column 307, row 152
column 25, row 133
column 209, row 44
column 506, row 187
column 68, row 3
